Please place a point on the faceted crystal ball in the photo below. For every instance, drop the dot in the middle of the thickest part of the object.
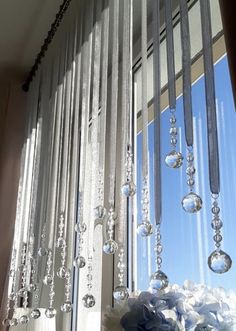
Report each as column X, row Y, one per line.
column 61, row 272
column 48, row 280
column 192, row 203
column 100, row 212
column 128, row 189
column 159, row 280
column 66, row 307
column 13, row 322
column 35, row 314
column 145, row 229
column 110, row 246
column 79, row 262
column 120, row 293
column 50, row 312
column 42, row 251
column 6, row 322
column 174, row 159
column 24, row 319
column 219, row 261
column 88, row 301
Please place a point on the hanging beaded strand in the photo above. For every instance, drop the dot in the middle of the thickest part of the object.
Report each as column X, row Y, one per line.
column 80, row 228
column 42, row 251
column 49, row 281
column 7, row 321
column 174, row 159
column 219, row 261
column 145, row 228
column 35, row 312
column 24, row 319
column 110, row 246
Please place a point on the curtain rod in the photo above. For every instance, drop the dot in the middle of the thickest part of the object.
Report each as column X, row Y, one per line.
column 51, row 33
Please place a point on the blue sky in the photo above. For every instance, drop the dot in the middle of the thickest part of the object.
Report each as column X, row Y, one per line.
column 187, row 239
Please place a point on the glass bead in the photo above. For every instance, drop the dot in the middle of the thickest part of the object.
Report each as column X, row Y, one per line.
column 79, row 262
column 145, row 229
column 121, row 265
column 89, row 287
column 32, row 287
column 110, row 246
column 216, row 224
column 192, row 203
column 190, row 182
column 24, row 319
column 13, row 322
column 100, row 212
column 42, row 251
column 50, row 312
column 61, row 272
column 12, row 273
column 88, row 301
column 6, row 322
column 61, row 243
column 173, row 141
column 190, row 157
column 35, row 314
column 89, row 277
column 12, row 296
column 21, row 292
column 190, row 170
column 159, row 260
column 217, row 238
column 128, row 189
column 159, row 280
column 80, row 227
column 121, row 293
column 215, row 210
column 158, row 248
column 173, row 131
column 48, row 280
column 174, row 159
column 219, row 262
column 172, row 120
column 66, row 307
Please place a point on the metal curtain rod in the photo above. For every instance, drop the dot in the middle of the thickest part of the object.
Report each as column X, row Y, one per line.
column 47, row 41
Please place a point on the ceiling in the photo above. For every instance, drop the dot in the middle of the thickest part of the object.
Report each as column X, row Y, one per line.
column 23, row 27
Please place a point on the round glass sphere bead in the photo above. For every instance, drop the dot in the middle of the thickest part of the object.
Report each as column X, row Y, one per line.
column 61, row 272
column 190, row 170
column 14, row 322
column 35, row 314
column 120, row 293
column 173, row 131
column 32, row 287
column 48, row 280
column 79, row 262
column 100, row 212
column 219, row 261
column 129, row 189
column 42, row 251
column 88, row 301
column 145, row 229
column 216, row 224
column 6, row 322
column 66, row 307
column 192, row 203
column 61, row 243
column 159, row 280
column 50, row 312
column 110, row 246
column 174, row 159
column 80, row 227
column 24, row 319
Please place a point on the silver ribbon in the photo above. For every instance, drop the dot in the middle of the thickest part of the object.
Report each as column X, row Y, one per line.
column 170, row 54
column 103, row 115
column 213, row 152
column 114, row 101
column 144, row 93
column 186, row 60
column 157, row 109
